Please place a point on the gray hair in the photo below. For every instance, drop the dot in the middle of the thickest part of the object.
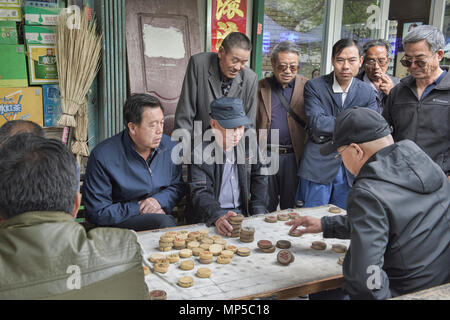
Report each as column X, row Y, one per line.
column 285, row 46
column 377, row 43
column 432, row 35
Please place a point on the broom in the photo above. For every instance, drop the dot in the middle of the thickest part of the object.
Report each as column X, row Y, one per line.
column 78, row 61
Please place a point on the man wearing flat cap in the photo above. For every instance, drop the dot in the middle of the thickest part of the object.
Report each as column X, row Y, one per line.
column 225, row 178
column 397, row 211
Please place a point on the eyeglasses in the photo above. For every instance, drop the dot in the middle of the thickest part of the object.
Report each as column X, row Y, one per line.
column 284, row 67
column 372, row 62
column 408, row 62
column 339, row 154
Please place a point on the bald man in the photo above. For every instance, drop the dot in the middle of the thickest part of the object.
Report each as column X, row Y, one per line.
column 397, row 211
column 13, row 127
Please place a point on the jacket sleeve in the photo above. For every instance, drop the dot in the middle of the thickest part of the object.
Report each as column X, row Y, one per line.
column 202, row 197
column 252, row 100
column 319, row 122
column 364, row 277
column 372, row 104
column 258, row 189
column 187, row 104
column 169, row 196
column 336, row 227
column 97, row 197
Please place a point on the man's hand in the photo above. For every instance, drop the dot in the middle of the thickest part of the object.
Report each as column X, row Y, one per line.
column 150, row 205
column 311, row 224
column 386, row 84
column 222, row 224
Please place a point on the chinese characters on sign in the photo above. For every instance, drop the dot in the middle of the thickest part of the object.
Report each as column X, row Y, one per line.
column 227, row 16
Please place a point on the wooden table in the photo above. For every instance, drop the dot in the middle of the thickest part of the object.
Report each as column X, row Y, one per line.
column 258, row 275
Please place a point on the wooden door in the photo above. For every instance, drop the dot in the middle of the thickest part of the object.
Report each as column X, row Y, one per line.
column 161, row 37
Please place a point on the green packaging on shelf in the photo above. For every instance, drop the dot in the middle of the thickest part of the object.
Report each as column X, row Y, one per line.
column 42, row 64
column 13, row 73
column 40, row 34
column 8, row 32
column 10, row 13
column 41, row 16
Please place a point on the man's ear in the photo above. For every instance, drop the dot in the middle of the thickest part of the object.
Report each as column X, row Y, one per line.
column 359, row 152
column 212, row 123
column 76, row 204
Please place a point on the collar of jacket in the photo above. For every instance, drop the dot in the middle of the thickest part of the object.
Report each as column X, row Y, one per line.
column 35, row 217
column 215, row 78
column 444, row 84
column 129, row 144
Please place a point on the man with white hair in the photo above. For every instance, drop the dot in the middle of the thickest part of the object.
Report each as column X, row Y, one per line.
column 418, row 107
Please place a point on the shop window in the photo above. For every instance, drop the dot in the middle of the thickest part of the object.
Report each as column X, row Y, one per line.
column 300, row 21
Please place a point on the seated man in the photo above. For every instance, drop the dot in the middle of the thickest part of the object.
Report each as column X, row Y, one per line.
column 397, row 211
column 131, row 181
column 229, row 184
column 13, row 127
column 44, row 253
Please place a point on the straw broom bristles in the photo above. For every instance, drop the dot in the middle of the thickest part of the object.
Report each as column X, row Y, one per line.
column 80, row 147
column 78, row 61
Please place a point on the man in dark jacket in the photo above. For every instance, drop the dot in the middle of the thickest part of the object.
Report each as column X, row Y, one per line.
column 398, row 216
column 418, row 107
column 131, row 181
column 44, row 253
column 226, row 178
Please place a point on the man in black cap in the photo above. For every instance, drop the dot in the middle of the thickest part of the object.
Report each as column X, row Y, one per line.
column 397, row 211
column 225, row 177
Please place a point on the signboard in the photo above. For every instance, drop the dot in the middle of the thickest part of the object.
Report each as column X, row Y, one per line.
column 227, row 16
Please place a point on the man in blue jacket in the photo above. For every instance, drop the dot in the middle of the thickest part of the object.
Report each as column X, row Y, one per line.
column 131, row 181
column 323, row 179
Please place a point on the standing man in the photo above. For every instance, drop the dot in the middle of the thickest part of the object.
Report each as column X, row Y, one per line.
column 376, row 62
column 210, row 76
column 398, row 211
column 323, row 179
column 281, row 108
column 131, row 181
column 418, row 108
column 229, row 181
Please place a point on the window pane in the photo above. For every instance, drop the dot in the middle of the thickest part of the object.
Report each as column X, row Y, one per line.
column 300, row 21
column 361, row 20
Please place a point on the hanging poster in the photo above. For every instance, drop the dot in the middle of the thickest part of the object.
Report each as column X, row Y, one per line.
column 227, row 16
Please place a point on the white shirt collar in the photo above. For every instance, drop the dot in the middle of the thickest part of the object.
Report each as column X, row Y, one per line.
column 337, row 87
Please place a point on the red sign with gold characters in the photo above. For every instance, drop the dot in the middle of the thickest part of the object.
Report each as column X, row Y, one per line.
column 227, row 16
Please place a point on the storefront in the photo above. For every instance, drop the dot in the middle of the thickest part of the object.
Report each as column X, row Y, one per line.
column 146, row 44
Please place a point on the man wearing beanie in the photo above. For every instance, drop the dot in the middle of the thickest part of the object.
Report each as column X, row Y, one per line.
column 397, row 211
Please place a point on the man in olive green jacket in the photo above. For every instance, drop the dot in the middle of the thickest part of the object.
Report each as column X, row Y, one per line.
column 45, row 254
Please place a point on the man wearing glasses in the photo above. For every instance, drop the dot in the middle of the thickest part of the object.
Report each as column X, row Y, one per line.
column 324, row 179
column 418, row 108
column 375, row 65
column 278, row 97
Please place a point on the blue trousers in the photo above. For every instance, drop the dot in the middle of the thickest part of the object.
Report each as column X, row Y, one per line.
column 148, row 222
column 316, row 194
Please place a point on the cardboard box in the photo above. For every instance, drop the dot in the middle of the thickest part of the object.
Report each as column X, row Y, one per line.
column 42, row 64
column 21, row 103
column 40, row 34
column 8, row 32
column 14, row 72
column 10, row 13
column 10, row 3
column 52, row 104
column 41, row 16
